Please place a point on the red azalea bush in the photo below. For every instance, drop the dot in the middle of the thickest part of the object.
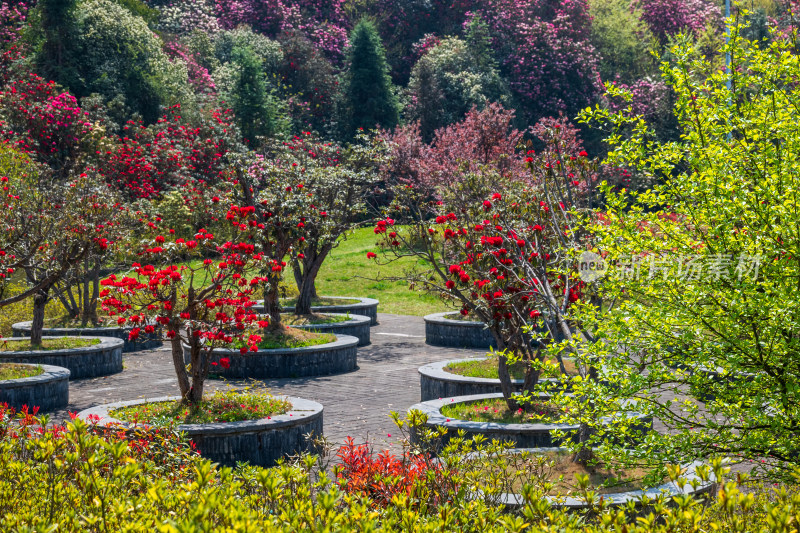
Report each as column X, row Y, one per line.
column 501, row 249
column 204, row 304
column 379, row 477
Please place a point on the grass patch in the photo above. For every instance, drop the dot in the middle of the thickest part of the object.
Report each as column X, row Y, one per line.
column 314, row 318
column 289, row 303
column 348, row 272
column 222, row 406
column 487, row 368
column 496, row 410
column 557, row 468
column 22, row 344
column 293, row 338
column 17, row 371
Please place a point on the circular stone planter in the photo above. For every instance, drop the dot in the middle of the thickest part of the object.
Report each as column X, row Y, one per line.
column 260, row 442
column 443, row 331
column 48, row 391
column 520, row 435
column 92, row 361
column 144, row 342
column 356, row 326
column 334, row 357
column 354, row 306
column 436, row 383
column 615, row 499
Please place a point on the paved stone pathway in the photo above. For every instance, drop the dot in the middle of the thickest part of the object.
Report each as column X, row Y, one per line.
column 356, row 404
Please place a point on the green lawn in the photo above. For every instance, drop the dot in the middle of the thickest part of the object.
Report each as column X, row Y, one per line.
column 348, row 272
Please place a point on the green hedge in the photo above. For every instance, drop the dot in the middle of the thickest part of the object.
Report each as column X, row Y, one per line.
column 72, row 479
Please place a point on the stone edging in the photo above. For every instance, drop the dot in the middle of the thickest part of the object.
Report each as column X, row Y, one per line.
column 357, row 326
column 334, row 357
column 614, row 499
column 83, row 362
column 144, row 342
column 360, row 306
column 443, row 331
column 48, row 391
column 260, row 442
column 522, row 435
column 436, row 383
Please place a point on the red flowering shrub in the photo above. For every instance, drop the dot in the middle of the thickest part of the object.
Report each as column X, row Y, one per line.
column 502, row 249
column 174, row 153
column 205, row 304
column 381, row 477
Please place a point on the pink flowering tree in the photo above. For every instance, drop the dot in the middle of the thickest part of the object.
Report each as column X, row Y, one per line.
column 485, row 139
column 204, row 304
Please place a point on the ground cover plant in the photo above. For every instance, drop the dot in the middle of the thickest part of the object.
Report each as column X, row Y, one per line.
column 17, row 371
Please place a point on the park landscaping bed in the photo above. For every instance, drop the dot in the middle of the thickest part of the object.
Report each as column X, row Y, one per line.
column 463, row 377
column 289, row 353
column 45, row 387
column 83, row 357
column 63, row 328
column 536, row 434
column 336, row 323
column 260, row 441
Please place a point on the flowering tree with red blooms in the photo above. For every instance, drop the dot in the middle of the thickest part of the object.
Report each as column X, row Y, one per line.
column 485, row 139
column 41, row 120
column 177, row 152
column 205, row 304
column 339, row 182
column 503, row 250
column 276, row 209
column 49, row 227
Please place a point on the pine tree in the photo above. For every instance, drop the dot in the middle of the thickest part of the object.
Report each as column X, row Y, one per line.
column 58, row 26
column 253, row 103
column 370, row 97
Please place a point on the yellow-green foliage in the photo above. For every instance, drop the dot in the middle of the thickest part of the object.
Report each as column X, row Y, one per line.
column 73, row 479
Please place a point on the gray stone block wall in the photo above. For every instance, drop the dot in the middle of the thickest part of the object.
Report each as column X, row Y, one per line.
column 258, row 442
column 146, row 341
column 321, row 360
column 437, row 383
column 48, row 391
column 443, row 331
column 519, row 435
column 359, row 306
column 85, row 362
column 358, row 326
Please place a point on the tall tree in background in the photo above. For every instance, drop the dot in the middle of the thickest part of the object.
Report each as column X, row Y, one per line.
column 253, row 104
column 58, row 31
column 369, row 95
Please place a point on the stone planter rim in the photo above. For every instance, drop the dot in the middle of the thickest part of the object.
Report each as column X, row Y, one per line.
column 355, row 320
column 49, row 372
column 340, row 342
column 300, row 411
column 441, row 318
column 27, row 325
column 105, row 343
column 511, row 499
column 437, row 371
column 357, row 302
column 432, row 408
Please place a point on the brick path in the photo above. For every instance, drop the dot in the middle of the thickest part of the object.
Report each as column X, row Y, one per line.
column 356, row 404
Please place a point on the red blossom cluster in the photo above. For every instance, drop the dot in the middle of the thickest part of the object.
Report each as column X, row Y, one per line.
column 380, row 477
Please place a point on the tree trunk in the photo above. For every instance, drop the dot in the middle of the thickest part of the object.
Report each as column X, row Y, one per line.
column 584, row 453
column 39, row 304
column 307, row 288
column 272, row 306
column 177, row 361
column 199, row 360
column 506, row 387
